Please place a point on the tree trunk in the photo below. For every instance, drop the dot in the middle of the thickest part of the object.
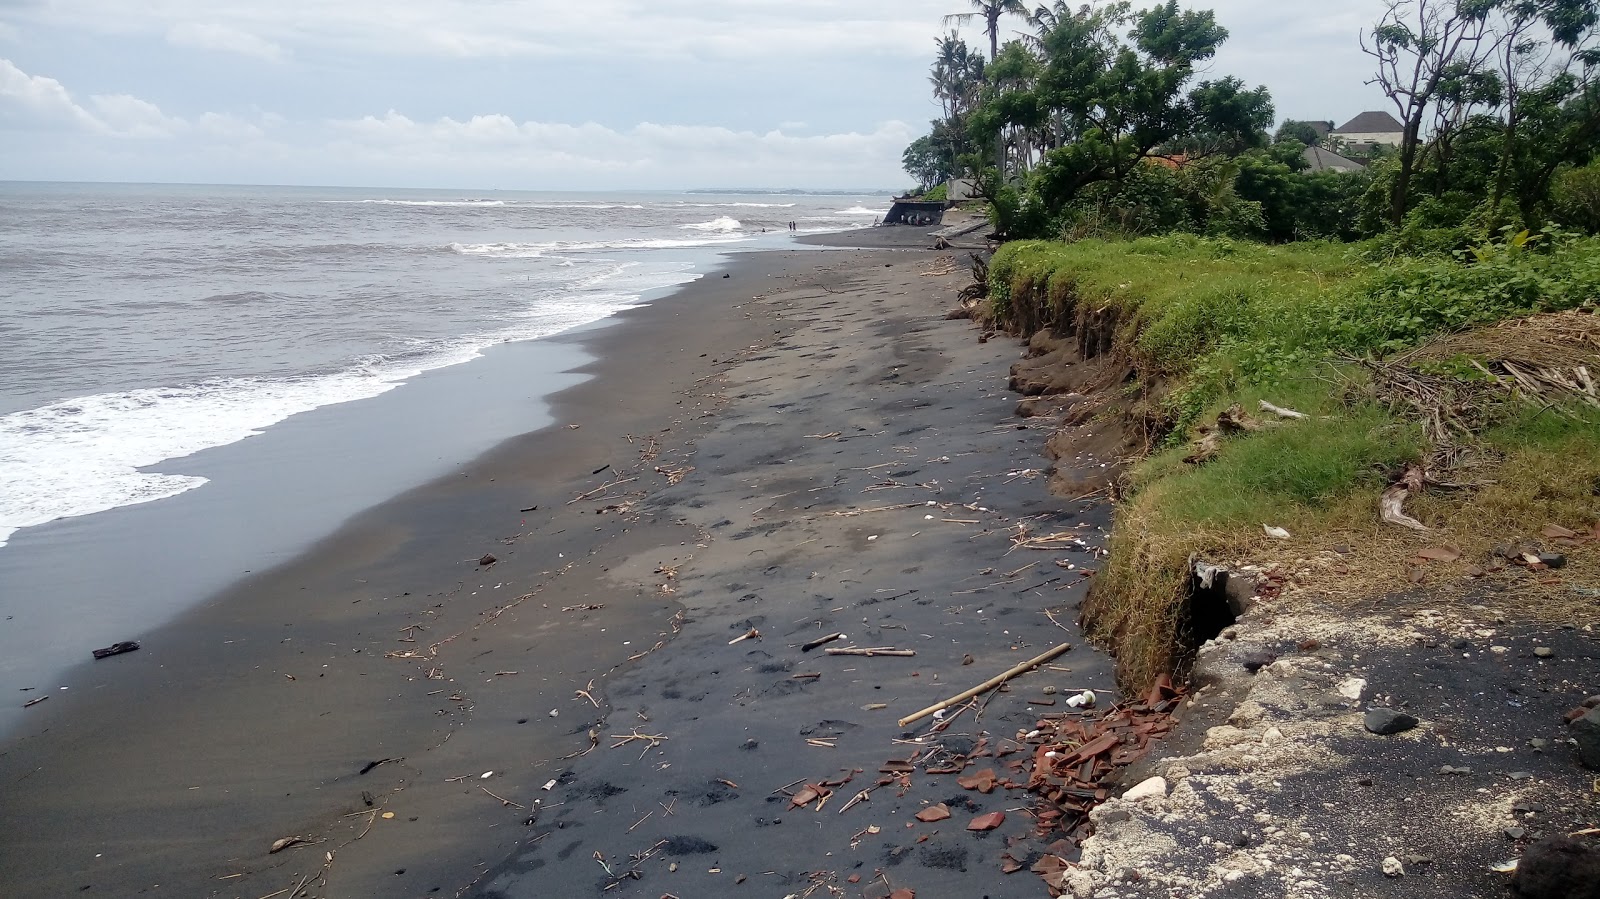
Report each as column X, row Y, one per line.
column 1408, row 164
column 1502, row 175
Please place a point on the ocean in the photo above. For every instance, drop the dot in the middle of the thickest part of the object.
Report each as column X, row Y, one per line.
column 169, row 355
column 141, row 324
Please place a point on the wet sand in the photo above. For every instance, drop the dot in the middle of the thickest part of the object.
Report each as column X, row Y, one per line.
column 787, row 401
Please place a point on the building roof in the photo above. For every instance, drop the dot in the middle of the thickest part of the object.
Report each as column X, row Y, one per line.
column 1371, row 123
column 1323, row 128
column 1322, row 160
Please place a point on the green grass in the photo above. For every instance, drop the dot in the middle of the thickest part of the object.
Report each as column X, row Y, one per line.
column 1212, row 316
column 1207, row 323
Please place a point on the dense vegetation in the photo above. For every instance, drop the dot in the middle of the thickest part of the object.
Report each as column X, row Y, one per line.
column 1137, row 191
column 1100, row 120
column 1206, row 324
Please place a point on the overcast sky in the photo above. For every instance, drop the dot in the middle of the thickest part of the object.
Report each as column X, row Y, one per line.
column 535, row 94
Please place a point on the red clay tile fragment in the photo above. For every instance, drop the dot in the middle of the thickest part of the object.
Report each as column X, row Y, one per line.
column 903, row 894
column 983, row 781
column 987, row 822
column 932, row 813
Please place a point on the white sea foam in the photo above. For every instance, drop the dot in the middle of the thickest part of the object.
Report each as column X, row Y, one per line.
column 82, row 456
column 724, row 224
column 575, row 206
column 732, row 205
column 859, row 210
column 423, row 202
column 537, row 250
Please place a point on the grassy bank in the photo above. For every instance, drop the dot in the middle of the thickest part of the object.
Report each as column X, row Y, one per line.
column 1320, row 328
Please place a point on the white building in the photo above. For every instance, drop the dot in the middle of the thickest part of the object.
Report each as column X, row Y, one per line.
column 1371, row 128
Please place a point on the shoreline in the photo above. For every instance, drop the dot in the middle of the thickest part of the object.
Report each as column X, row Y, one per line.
column 209, row 684
column 214, row 751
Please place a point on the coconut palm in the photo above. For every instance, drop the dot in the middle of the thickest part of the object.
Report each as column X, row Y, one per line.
column 991, row 12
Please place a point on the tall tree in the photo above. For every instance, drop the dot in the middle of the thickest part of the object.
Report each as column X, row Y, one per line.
column 1546, row 57
column 991, row 12
column 1417, row 45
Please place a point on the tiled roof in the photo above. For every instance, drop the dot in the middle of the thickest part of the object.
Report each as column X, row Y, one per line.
column 1372, row 123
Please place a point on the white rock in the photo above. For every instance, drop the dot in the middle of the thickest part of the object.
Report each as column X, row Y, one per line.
column 1154, row 788
column 1393, row 868
column 1273, row 735
column 1081, row 884
column 1353, row 688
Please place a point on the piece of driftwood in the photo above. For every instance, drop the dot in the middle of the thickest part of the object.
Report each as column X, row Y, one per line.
column 988, row 685
column 1205, row 449
column 821, row 641
column 1392, row 507
column 874, row 651
column 1281, row 412
column 116, row 649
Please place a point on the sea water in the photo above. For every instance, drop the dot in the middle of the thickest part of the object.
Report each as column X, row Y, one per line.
column 158, row 345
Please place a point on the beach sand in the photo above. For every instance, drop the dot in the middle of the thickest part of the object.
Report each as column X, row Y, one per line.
column 773, row 439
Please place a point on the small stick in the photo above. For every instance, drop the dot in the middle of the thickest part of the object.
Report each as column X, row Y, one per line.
column 805, row 677
column 641, row 821
column 870, row 653
column 599, row 490
column 371, row 820
column 989, row 684
column 753, row 634
column 503, row 800
column 863, row 796
column 821, row 641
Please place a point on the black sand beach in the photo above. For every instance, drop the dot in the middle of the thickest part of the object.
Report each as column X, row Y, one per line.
column 785, row 401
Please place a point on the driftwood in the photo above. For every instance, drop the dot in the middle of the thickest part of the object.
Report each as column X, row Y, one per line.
column 1205, row 449
column 821, row 641
column 987, row 685
column 1282, row 412
column 1392, row 508
column 875, row 651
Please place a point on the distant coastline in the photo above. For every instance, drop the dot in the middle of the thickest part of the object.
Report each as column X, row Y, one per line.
column 794, row 192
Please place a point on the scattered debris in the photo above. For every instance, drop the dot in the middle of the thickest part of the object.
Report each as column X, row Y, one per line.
column 116, row 649
column 987, row 685
column 987, row 822
column 872, row 652
column 751, row 634
column 370, row 765
column 1393, row 504
column 1282, row 412
column 487, row 560
column 821, row 641
column 280, row 845
column 1388, row 722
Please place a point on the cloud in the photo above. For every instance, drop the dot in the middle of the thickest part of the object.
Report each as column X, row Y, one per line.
column 39, row 100
column 646, row 153
column 129, row 116
column 209, row 36
column 789, row 32
column 34, row 101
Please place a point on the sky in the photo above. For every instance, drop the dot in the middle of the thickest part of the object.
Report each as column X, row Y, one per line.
column 537, row 94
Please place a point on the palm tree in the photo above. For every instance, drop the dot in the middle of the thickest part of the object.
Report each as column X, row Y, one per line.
column 991, row 11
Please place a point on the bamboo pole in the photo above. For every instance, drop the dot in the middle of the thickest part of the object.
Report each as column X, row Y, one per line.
column 987, row 685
